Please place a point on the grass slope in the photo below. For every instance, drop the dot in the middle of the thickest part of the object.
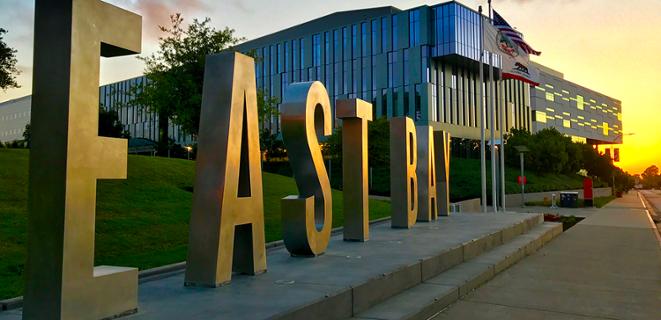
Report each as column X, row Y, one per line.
column 140, row 222
column 465, row 180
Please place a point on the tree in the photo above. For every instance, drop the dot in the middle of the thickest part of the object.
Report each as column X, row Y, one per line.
column 8, row 70
column 574, row 157
column 552, row 152
column 272, row 147
column 378, row 136
column 267, row 108
column 517, row 137
column 110, row 126
column 651, row 171
column 27, row 135
column 548, row 152
column 597, row 165
column 176, row 71
column 650, row 177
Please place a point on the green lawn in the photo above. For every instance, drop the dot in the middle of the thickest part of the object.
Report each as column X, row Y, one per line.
column 141, row 222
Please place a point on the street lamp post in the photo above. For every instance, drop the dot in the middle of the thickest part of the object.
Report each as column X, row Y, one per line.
column 522, row 150
column 620, row 135
column 188, row 151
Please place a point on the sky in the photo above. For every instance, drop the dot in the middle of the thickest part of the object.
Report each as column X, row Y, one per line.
column 610, row 46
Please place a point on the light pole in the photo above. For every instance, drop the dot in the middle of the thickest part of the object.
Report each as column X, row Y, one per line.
column 620, row 135
column 483, row 125
column 189, row 149
column 522, row 150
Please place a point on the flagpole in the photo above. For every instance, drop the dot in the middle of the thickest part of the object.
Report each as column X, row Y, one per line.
column 489, row 2
column 492, row 127
column 503, row 124
column 492, row 101
column 499, row 167
column 480, row 94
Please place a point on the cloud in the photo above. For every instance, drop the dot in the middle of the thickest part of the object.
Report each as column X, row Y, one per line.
column 239, row 4
column 157, row 12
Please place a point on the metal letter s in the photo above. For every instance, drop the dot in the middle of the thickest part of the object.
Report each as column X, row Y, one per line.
column 306, row 218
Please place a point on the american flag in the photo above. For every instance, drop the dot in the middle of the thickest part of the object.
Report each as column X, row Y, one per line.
column 514, row 35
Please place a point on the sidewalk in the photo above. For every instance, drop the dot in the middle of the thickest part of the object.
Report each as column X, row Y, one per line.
column 606, row 267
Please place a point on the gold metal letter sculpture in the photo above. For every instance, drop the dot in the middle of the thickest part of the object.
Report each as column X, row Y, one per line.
column 426, row 171
column 67, row 159
column 306, row 218
column 227, row 221
column 442, row 159
column 354, row 114
column 403, row 179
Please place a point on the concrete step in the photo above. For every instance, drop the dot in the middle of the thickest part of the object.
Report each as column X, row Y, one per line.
column 436, row 293
column 387, row 285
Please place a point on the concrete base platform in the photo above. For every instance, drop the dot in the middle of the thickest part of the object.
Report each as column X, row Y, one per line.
column 349, row 279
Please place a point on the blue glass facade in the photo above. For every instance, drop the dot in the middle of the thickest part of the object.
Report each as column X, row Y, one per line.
column 137, row 120
column 421, row 63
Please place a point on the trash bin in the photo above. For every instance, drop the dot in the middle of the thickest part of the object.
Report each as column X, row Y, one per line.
column 569, row 199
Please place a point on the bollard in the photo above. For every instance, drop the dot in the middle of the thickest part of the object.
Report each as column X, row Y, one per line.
column 553, row 201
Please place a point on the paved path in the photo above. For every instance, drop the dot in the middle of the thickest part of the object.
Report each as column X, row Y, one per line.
column 606, row 267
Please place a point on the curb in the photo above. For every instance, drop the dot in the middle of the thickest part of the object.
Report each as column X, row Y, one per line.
column 649, row 208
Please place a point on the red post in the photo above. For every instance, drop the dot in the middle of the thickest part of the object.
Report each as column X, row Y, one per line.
column 587, row 192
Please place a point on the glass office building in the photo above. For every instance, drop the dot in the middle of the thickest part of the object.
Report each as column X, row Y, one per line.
column 421, row 63
column 137, row 121
column 576, row 111
column 14, row 115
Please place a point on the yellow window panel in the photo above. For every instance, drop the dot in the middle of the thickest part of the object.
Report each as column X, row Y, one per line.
column 540, row 116
column 550, row 96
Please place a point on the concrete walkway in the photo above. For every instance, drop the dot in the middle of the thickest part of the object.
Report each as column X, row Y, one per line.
column 606, row 267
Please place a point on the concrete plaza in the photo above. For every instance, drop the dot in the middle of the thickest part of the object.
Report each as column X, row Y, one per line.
column 606, row 267
column 351, row 277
